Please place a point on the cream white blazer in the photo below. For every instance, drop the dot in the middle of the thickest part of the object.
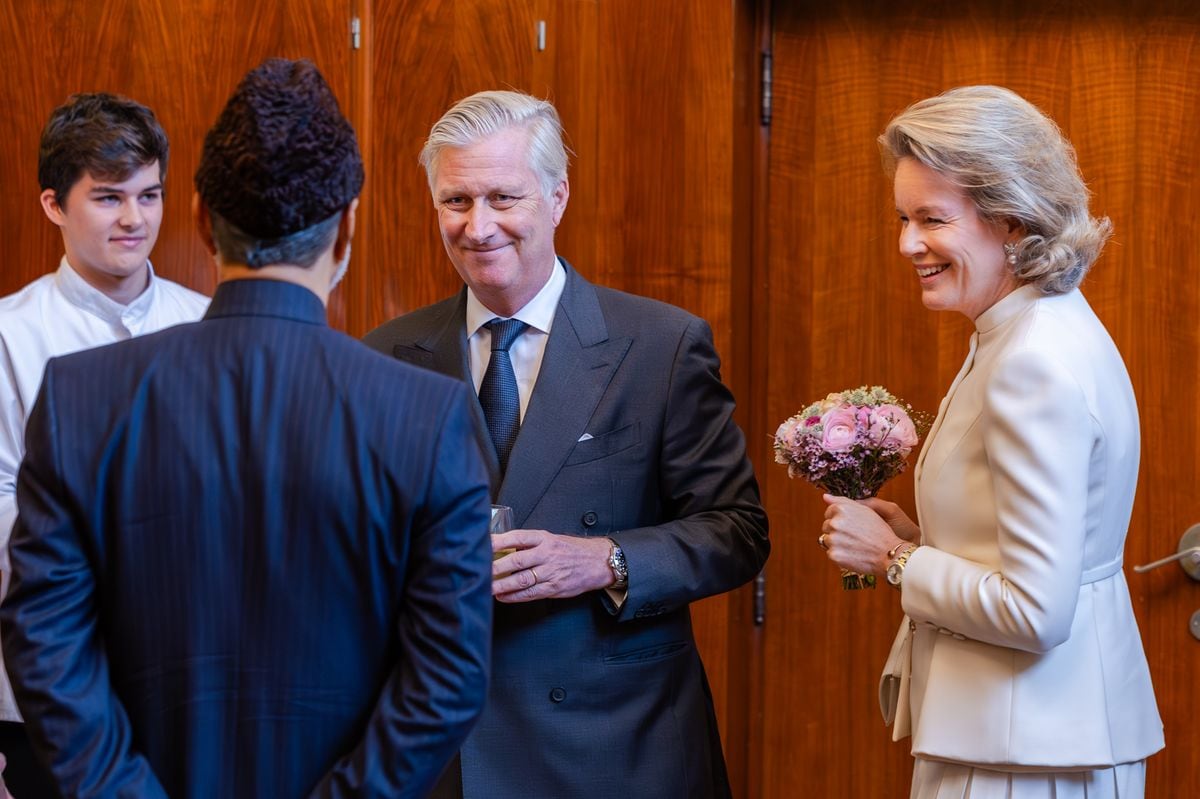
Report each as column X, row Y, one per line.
column 1024, row 652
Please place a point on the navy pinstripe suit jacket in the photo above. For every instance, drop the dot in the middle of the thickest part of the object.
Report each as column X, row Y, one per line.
column 251, row 560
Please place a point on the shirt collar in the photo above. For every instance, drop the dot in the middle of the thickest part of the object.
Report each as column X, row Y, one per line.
column 1008, row 307
column 87, row 297
column 266, row 297
column 538, row 313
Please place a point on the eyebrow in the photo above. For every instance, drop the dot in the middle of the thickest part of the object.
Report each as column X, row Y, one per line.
column 928, row 210
column 116, row 190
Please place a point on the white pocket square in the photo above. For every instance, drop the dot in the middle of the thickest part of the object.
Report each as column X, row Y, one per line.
column 585, row 437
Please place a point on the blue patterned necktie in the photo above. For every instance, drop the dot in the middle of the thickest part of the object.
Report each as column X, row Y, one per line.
column 498, row 392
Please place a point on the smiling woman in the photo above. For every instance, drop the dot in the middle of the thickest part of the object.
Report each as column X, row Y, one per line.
column 1026, row 482
column 959, row 256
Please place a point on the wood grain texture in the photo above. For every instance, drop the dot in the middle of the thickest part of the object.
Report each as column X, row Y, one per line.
column 844, row 311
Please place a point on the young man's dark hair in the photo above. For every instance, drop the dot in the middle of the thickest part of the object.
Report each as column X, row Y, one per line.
column 105, row 135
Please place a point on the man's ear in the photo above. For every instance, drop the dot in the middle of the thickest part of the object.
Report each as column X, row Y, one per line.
column 54, row 211
column 345, row 231
column 558, row 200
column 203, row 222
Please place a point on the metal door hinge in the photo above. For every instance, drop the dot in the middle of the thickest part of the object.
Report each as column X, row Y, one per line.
column 760, row 599
column 355, row 33
column 765, row 87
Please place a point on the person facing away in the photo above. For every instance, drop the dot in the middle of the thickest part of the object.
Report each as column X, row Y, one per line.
column 102, row 165
column 612, row 440
column 1021, row 671
column 251, row 556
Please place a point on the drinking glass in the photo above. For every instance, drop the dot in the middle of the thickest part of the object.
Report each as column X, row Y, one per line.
column 502, row 522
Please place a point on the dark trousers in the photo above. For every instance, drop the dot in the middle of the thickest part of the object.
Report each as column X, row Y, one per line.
column 24, row 775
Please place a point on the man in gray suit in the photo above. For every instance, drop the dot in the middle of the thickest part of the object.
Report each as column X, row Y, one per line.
column 613, row 442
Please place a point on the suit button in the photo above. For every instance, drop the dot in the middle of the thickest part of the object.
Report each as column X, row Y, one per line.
column 557, row 695
column 590, row 518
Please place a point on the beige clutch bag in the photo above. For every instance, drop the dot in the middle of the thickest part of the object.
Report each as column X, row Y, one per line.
column 893, row 683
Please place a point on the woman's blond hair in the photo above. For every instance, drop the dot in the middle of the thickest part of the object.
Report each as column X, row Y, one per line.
column 1014, row 164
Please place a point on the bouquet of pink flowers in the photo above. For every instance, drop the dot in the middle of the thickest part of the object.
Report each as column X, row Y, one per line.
column 850, row 444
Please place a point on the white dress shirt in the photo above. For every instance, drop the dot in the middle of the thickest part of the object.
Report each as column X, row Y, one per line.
column 527, row 351
column 56, row 314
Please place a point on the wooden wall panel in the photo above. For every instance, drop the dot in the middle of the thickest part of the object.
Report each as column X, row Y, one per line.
column 844, row 310
column 425, row 55
column 664, row 207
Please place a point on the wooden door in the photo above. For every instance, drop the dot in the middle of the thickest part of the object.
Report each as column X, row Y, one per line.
column 840, row 309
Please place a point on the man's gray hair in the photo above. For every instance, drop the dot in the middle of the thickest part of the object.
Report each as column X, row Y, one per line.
column 487, row 113
column 301, row 248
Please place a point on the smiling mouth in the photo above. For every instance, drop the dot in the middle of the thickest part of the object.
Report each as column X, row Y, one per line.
column 930, row 271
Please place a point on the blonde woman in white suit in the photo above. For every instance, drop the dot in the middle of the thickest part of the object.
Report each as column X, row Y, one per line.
column 1021, row 668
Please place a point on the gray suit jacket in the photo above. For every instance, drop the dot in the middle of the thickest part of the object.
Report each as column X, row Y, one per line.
column 586, row 699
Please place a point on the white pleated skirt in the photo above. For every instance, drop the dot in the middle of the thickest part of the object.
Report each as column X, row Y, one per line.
column 936, row 780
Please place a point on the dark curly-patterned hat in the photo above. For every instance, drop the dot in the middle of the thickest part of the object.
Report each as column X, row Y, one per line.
column 281, row 157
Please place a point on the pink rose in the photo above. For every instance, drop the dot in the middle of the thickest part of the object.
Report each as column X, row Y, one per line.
column 891, row 427
column 840, row 429
column 787, row 431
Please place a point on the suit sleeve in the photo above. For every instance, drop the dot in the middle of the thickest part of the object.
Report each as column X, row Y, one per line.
column 437, row 690
column 52, row 642
column 1038, row 436
column 715, row 534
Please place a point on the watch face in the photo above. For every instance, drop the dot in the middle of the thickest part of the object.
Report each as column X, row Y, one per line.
column 894, row 573
column 616, row 562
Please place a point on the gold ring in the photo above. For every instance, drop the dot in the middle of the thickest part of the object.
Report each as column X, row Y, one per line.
column 821, row 541
column 535, row 579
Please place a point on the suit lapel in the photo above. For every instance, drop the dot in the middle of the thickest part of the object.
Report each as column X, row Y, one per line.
column 443, row 349
column 933, row 466
column 579, row 363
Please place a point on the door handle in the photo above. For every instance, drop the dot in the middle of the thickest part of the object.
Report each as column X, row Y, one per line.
column 1188, row 555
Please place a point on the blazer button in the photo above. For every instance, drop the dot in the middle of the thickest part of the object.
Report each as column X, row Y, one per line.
column 589, row 519
column 557, row 695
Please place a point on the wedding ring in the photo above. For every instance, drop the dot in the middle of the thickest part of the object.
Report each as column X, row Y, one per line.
column 821, row 541
column 535, row 579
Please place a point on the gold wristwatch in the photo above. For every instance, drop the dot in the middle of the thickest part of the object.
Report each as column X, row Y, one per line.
column 895, row 569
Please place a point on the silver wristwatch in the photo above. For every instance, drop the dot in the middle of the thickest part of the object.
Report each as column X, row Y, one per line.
column 616, row 562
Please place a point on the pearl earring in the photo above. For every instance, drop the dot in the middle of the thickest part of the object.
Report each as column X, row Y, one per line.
column 1010, row 253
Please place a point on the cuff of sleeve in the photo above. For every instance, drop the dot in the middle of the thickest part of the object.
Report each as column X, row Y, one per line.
column 617, row 597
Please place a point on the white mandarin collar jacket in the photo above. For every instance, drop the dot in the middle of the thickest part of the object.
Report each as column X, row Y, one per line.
column 1025, row 652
